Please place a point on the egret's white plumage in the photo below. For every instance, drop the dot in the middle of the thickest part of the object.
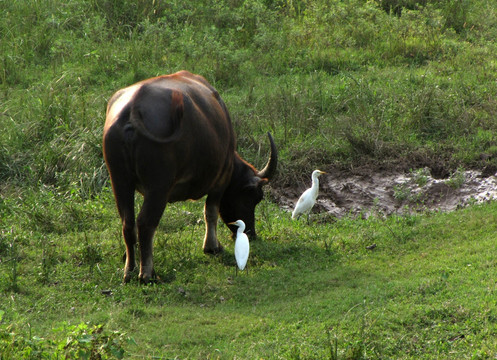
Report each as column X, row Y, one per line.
column 242, row 246
column 308, row 198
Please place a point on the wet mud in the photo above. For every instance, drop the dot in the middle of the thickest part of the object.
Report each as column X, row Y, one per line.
column 362, row 194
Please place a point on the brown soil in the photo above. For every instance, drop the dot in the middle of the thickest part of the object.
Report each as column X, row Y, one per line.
column 371, row 191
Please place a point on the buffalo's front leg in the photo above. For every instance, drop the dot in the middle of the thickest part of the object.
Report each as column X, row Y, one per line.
column 154, row 204
column 211, row 211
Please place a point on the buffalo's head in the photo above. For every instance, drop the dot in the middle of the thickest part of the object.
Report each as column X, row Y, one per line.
column 245, row 191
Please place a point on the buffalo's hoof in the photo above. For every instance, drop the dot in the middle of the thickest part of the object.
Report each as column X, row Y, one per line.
column 145, row 279
column 214, row 251
column 129, row 274
column 126, row 278
column 148, row 279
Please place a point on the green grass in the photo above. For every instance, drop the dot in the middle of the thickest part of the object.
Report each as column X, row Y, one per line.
column 386, row 83
column 426, row 291
column 348, row 78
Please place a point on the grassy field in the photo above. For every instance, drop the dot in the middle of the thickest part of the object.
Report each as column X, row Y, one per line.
column 312, row 292
column 385, row 84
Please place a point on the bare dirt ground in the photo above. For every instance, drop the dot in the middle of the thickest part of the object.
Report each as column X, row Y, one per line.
column 366, row 192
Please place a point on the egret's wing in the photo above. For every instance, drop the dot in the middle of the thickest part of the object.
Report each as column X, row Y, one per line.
column 304, row 204
column 242, row 248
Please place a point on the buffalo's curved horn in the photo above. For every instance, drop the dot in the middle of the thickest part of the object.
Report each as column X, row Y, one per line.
column 270, row 168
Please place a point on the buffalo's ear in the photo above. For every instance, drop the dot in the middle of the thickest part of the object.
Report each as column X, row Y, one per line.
column 262, row 182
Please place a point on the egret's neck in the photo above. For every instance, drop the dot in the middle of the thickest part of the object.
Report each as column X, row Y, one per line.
column 315, row 182
column 240, row 230
column 315, row 185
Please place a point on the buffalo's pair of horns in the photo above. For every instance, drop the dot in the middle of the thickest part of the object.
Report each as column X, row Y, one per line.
column 270, row 168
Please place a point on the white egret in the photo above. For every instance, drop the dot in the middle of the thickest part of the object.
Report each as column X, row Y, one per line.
column 242, row 246
column 308, row 198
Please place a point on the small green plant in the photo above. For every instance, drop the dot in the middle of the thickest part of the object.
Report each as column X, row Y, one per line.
column 82, row 341
column 401, row 192
column 457, row 179
column 48, row 260
column 355, row 345
column 403, row 225
column 456, row 13
column 405, row 192
column 89, row 253
column 333, row 345
column 11, row 261
column 420, row 176
column 92, row 342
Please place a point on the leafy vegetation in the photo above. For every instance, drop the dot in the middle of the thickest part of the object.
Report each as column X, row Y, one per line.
column 391, row 83
column 81, row 342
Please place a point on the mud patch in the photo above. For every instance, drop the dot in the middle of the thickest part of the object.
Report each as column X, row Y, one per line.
column 370, row 192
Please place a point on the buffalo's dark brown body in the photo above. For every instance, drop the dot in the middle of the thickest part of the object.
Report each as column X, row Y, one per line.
column 171, row 138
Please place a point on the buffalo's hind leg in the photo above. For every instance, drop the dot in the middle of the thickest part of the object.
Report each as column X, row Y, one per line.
column 151, row 212
column 125, row 199
column 123, row 185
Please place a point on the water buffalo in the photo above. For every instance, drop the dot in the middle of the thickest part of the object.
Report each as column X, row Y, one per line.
column 171, row 139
